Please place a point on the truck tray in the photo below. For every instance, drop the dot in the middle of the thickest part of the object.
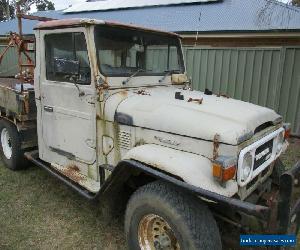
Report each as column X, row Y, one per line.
column 17, row 100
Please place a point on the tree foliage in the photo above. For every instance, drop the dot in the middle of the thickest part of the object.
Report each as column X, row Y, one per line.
column 6, row 10
column 8, row 7
column 275, row 12
column 296, row 2
column 41, row 5
column 45, row 5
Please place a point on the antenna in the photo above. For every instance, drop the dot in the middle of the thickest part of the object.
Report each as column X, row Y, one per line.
column 197, row 34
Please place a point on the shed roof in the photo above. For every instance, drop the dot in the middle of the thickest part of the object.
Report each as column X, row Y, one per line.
column 93, row 5
column 221, row 16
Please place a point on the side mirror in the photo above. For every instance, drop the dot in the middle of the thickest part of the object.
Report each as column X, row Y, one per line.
column 66, row 67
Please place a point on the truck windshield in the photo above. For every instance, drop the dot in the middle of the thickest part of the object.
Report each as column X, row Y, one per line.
column 123, row 52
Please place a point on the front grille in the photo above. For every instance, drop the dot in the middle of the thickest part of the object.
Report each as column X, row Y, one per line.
column 263, row 153
column 252, row 182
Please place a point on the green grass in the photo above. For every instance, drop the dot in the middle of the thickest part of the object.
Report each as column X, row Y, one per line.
column 39, row 212
column 293, row 153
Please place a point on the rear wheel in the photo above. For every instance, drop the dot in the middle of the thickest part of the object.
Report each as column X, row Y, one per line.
column 10, row 146
column 160, row 216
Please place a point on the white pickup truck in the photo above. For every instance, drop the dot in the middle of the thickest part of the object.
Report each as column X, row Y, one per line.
column 112, row 108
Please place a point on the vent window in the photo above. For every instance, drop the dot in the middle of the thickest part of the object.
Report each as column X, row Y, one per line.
column 124, row 140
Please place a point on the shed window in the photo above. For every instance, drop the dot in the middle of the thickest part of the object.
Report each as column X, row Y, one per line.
column 67, row 58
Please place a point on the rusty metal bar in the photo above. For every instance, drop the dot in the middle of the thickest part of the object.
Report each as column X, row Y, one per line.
column 16, row 40
column 287, row 182
column 33, row 157
column 19, row 19
column 35, row 18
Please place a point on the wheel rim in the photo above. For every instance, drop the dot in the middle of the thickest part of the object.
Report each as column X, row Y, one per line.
column 155, row 233
column 6, row 143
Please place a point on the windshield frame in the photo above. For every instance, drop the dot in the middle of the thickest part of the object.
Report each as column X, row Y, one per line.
column 176, row 41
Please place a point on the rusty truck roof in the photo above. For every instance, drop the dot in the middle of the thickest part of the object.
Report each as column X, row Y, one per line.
column 77, row 22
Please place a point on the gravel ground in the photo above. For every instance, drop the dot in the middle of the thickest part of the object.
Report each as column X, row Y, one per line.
column 38, row 212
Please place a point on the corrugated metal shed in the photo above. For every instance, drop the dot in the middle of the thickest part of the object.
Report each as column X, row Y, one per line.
column 126, row 4
column 265, row 76
column 289, row 101
column 227, row 15
column 9, row 66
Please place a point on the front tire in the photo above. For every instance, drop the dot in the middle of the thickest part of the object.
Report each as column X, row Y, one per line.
column 160, row 216
column 10, row 146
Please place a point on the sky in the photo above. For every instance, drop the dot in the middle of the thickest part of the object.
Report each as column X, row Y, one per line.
column 62, row 4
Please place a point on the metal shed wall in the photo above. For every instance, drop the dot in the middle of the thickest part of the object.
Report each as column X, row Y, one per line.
column 9, row 65
column 265, row 76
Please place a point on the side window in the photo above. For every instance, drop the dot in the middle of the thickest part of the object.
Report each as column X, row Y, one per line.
column 67, row 58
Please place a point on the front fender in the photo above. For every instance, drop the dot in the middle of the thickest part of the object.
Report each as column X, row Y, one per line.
column 193, row 169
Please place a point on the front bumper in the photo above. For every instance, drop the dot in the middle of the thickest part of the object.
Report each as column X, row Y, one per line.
column 278, row 213
column 279, row 209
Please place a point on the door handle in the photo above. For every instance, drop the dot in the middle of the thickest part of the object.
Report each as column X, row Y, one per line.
column 48, row 109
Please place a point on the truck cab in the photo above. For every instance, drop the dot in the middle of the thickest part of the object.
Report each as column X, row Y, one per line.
column 86, row 71
column 115, row 108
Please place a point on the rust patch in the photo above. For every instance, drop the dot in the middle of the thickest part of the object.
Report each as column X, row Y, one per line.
column 60, row 23
column 142, row 92
column 26, row 104
column 199, row 101
column 72, row 171
column 223, row 95
column 123, row 93
column 216, row 146
column 104, row 85
column 272, row 202
column 74, row 168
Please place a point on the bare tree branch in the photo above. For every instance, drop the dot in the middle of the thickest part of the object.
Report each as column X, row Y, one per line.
column 275, row 12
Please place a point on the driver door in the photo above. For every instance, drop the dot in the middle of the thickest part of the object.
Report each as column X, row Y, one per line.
column 67, row 93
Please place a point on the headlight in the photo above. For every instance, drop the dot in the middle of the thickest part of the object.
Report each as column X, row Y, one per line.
column 246, row 167
column 280, row 142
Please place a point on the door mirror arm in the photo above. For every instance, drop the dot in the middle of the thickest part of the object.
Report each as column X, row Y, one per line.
column 74, row 80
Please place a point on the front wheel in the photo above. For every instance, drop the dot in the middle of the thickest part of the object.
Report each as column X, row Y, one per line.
column 160, row 216
column 10, row 146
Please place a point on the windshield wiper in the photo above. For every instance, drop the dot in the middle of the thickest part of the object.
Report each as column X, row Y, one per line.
column 133, row 75
column 168, row 72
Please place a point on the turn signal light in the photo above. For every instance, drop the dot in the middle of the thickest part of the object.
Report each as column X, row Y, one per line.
column 223, row 174
column 287, row 132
